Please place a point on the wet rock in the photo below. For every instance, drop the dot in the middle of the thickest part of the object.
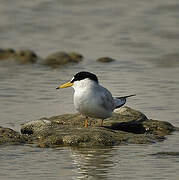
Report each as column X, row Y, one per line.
column 37, row 126
column 9, row 136
column 158, row 128
column 131, row 114
column 62, row 58
column 6, row 54
column 76, row 57
column 105, row 59
column 126, row 126
column 25, row 56
column 169, row 153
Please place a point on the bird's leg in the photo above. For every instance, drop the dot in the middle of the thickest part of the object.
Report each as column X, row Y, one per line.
column 102, row 122
column 86, row 122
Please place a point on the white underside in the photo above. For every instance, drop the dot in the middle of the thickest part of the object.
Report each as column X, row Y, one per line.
column 93, row 100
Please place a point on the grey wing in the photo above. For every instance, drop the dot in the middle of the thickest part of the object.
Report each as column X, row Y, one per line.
column 120, row 101
column 107, row 100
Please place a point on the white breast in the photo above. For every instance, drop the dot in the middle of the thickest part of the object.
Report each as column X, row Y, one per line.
column 92, row 100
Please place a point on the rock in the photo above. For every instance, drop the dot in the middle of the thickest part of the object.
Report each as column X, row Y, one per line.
column 35, row 126
column 158, row 128
column 21, row 56
column 9, row 136
column 126, row 126
column 105, row 59
column 25, row 56
column 62, row 58
column 131, row 114
column 76, row 57
column 164, row 154
column 6, row 54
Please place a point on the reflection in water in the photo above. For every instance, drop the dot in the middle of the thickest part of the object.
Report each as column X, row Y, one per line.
column 92, row 163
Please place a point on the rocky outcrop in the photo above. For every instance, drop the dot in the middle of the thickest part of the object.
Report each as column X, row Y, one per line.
column 62, row 58
column 54, row 60
column 25, row 56
column 20, row 56
column 6, row 54
column 166, row 154
column 9, row 136
column 76, row 57
column 105, row 59
column 126, row 126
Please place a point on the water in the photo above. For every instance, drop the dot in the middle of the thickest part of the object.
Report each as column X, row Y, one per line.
column 142, row 36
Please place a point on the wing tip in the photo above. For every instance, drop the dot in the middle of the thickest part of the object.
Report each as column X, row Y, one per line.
column 126, row 96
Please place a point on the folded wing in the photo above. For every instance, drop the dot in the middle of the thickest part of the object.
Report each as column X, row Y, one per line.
column 120, row 101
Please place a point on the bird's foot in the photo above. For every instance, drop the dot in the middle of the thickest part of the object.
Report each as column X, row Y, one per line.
column 86, row 122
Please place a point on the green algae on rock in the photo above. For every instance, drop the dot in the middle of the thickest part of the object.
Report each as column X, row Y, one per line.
column 58, row 59
column 166, row 153
column 20, row 56
column 9, row 136
column 25, row 56
column 6, row 54
column 126, row 126
column 105, row 59
column 76, row 57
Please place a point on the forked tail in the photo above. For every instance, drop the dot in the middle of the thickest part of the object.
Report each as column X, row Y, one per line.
column 120, row 101
column 126, row 96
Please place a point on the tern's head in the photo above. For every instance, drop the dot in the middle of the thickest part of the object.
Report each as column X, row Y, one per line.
column 80, row 78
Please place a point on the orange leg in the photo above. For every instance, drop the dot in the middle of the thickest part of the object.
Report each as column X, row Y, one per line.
column 102, row 122
column 86, row 122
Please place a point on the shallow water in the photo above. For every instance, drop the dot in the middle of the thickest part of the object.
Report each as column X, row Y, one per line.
column 142, row 36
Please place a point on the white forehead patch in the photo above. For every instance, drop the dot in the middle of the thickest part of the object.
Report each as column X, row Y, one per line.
column 72, row 79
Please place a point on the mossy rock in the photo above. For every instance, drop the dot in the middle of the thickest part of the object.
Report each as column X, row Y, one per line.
column 25, row 56
column 6, row 54
column 166, row 154
column 58, row 59
column 105, row 59
column 76, row 57
column 9, row 136
column 126, row 126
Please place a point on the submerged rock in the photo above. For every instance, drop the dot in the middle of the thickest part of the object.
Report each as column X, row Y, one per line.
column 75, row 56
column 6, row 54
column 168, row 153
column 62, row 58
column 25, row 56
column 105, row 59
column 21, row 56
column 9, row 136
column 126, row 126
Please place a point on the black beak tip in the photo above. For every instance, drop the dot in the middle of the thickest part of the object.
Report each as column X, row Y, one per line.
column 57, row 87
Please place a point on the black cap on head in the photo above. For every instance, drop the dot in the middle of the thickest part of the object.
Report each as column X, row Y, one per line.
column 83, row 75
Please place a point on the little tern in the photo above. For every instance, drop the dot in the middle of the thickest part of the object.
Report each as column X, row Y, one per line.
column 91, row 99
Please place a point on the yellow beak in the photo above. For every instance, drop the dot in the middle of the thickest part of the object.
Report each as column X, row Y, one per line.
column 68, row 84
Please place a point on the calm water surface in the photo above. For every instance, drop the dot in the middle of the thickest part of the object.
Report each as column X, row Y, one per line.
column 141, row 35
